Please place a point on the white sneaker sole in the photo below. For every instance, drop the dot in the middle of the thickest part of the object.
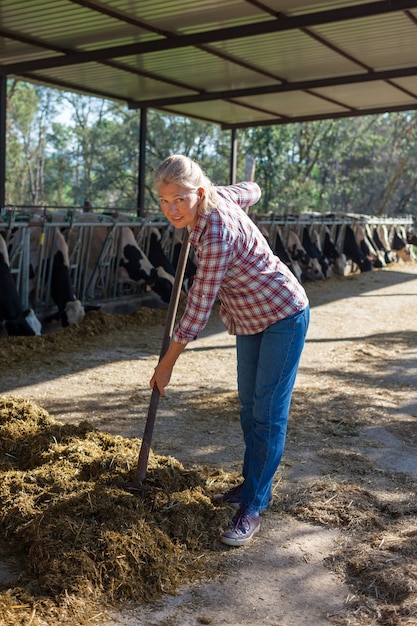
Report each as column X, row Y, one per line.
column 236, row 543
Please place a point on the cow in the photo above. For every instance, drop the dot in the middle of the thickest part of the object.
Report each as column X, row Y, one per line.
column 16, row 319
column 113, row 246
column 310, row 268
column 411, row 238
column 49, row 255
column 49, row 268
column 353, row 251
column 280, row 251
column 380, row 239
column 336, row 259
column 158, row 257
column 138, row 268
column 399, row 244
column 314, row 251
column 365, row 244
column 156, row 253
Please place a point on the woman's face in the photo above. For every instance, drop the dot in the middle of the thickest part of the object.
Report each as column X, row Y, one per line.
column 179, row 204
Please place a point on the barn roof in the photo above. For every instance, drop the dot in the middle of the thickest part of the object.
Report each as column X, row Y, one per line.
column 237, row 63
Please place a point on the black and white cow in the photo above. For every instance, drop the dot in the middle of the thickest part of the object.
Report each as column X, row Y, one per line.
column 314, row 251
column 380, row 239
column 278, row 247
column 156, row 253
column 16, row 320
column 173, row 241
column 411, row 238
column 365, row 243
column 353, row 251
column 117, row 246
column 337, row 260
column 401, row 247
column 50, row 255
column 138, row 268
column 310, row 268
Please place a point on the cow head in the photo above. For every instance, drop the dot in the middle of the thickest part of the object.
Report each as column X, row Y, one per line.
column 70, row 309
column 138, row 268
column 74, row 312
column 26, row 324
column 161, row 283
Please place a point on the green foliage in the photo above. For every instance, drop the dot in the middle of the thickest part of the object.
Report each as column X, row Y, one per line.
column 202, row 142
column 362, row 164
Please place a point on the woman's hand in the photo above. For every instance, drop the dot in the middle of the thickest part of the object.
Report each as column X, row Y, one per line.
column 161, row 377
column 163, row 371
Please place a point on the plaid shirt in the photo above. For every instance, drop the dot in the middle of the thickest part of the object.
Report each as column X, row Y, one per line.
column 236, row 264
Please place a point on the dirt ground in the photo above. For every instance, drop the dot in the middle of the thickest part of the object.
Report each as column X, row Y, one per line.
column 352, row 430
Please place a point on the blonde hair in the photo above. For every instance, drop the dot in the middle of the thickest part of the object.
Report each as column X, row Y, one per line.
column 183, row 171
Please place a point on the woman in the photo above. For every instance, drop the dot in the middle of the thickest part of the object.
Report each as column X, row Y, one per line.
column 262, row 303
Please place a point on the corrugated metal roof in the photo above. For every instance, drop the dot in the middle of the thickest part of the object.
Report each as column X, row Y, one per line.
column 236, row 63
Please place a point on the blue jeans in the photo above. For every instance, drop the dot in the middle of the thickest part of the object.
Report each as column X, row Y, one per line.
column 267, row 365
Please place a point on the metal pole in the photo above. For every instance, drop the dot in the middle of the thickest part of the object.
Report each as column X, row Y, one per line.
column 233, row 156
column 3, row 108
column 142, row 163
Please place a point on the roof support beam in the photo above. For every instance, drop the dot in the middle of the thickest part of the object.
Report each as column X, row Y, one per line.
column 324, row 116
column 281, row 24
column 280, row 88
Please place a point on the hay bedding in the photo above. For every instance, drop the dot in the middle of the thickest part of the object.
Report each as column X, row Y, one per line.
column 80, row 541
column 97, row 327
column 376, row 510
column 81, row 544
column 378, row 553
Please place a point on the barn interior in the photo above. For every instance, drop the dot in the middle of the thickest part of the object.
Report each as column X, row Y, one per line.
column 237, row 64
column 240, row 63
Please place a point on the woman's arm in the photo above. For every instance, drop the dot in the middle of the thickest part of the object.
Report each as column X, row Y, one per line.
column 163, row 371
column 244, row 194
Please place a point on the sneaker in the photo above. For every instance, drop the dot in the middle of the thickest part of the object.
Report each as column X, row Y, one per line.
column 233, row 497
column 242, row 528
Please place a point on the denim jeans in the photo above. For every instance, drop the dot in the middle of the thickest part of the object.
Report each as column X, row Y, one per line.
column 267, row 365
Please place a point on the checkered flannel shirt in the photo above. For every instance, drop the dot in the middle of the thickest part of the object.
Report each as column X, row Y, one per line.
column 236, row 265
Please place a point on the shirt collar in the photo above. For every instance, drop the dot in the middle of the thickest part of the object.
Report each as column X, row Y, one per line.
column 198, row 229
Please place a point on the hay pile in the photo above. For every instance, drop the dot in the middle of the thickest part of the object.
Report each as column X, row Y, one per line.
column 73, row 541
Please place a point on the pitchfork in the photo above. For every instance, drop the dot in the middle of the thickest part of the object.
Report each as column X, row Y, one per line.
column 137, row 484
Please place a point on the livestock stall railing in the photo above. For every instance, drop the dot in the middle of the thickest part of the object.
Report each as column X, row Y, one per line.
column 296, row 222
column 334, row 223
column 93, row 260
column 95, row 277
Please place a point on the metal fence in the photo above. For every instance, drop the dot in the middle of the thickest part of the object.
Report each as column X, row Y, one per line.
column 335, row 224
column 95, row 277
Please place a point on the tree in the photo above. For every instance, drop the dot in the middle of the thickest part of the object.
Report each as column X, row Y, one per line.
column 361, row 164
column 30, row 110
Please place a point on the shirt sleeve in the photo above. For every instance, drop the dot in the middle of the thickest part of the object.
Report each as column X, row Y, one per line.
column 213, row 262
column 244, row 194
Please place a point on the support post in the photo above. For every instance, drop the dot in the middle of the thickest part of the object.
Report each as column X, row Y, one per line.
column 3, row 110
column 142, row 163
column 233, row 156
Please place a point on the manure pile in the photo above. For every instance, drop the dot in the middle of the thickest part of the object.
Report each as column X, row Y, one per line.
column 73, row 541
